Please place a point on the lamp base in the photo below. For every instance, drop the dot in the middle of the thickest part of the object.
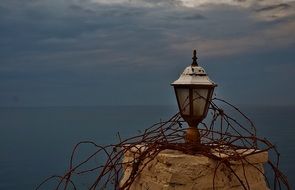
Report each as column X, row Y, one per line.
column 192, row 136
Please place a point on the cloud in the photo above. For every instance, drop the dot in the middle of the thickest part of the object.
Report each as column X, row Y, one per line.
column 282, row 6
column 140, row 3
column 269, row 10
column 80, row 25
column 191, row 3
column 278, row 36
column 275, row 12
column 194, row 16
column 87, row 30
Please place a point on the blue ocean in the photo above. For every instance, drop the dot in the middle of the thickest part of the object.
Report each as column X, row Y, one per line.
column 36, row 142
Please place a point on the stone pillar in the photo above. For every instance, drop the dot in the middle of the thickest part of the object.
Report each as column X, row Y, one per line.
column 174, row 170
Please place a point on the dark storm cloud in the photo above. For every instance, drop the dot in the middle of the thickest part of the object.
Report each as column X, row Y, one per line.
column 282, row 6
column 188, row 16
column 276, row 12
column 163, row 2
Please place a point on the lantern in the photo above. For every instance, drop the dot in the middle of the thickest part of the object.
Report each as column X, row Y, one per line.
column 193, row 92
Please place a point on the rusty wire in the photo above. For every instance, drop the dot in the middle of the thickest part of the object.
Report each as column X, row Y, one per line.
column 220, row 132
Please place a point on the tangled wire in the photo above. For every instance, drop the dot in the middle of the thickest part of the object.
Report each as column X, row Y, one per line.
column 219, row 131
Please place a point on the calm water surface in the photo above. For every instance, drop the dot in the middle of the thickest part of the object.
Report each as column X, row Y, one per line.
column 37, row 142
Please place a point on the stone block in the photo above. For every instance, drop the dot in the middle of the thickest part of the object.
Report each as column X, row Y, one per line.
column 174, row 170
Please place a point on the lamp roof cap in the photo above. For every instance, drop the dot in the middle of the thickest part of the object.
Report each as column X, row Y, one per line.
column 194, row 75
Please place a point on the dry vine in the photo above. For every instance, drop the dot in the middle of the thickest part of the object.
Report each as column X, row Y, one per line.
column 221, row 132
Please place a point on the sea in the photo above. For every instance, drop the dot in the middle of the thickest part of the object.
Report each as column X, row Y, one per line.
column 36, row 142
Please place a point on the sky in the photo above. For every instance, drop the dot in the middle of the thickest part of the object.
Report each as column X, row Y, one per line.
column 128, row 52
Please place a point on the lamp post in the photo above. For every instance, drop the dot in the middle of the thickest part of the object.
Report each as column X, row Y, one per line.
column 193, row 92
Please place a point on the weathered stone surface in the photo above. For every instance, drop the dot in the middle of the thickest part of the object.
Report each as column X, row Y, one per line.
column 174, row 170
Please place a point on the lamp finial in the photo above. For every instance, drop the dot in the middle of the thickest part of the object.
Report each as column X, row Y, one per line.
column 194, row 63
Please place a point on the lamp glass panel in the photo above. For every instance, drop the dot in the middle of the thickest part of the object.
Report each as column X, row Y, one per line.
column 183, row 100
column 199, row 101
